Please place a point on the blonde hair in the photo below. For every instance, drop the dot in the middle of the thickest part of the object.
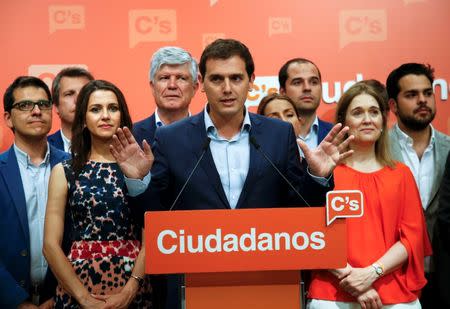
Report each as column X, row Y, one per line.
column 382, row 151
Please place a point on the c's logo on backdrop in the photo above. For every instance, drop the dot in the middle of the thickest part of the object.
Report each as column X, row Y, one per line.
column 66, row 17
column 208, row 38
column 362, row 26
column 278, row 25
column 47, row 72
column 262, row 86
column 152, row 26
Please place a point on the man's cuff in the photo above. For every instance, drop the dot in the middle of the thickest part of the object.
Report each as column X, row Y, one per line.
column 320, row 180
column 137, row 186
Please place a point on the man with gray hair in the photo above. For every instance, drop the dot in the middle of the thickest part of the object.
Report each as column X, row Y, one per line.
column 174, row 81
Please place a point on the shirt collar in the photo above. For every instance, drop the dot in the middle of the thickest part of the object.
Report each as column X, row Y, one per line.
column 24, row 159
column 159, row 122
column 315, row 124
column 405, row 138
column 211, row 128
column 64, row 138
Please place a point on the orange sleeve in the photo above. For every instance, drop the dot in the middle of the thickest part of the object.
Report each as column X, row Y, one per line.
column 413, row 233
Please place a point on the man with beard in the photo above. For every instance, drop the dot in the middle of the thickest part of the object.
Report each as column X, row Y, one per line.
column 300, row 80
column 415, row 142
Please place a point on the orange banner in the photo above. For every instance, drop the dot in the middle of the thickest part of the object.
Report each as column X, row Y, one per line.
column 242, row 240
column 349, row 40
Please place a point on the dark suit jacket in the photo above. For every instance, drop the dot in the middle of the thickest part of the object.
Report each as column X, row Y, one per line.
column 441, row 241
column 15, row 235
column 56, row 140
column 145, row 129
column 324, row 128
column 177, row 147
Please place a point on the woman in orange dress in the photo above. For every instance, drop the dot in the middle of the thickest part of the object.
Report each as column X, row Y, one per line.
column 387, row 245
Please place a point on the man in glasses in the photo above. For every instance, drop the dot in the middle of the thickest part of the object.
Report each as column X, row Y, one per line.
column 24, row 175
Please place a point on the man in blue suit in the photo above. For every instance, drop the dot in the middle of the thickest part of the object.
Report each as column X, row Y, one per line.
column 230, row 145
column 174, row 81
column 65, row 89
column 24, row 174
column 300, row 80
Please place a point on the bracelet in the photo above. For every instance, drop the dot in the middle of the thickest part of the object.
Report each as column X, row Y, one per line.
column 140, row 280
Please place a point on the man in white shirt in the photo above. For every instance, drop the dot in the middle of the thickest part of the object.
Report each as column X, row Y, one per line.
column 415, row 142
column 173, row 79
column 65, row 89
column 300, row 80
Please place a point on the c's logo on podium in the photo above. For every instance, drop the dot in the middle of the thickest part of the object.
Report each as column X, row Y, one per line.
column 344, row 204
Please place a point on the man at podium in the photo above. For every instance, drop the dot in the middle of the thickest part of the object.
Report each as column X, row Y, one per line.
column 227, row 158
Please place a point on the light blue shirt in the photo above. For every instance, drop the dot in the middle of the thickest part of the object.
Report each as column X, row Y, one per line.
column 231, row 157
column 35, row 186
column 35, row 181
column 312, row 138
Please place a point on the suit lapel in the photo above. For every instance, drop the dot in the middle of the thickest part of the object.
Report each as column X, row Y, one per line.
column 11, row 175
column 198, row 138
column 321, row 132
column 440, row 156
column 396, row 151
column 256, row 160
column 57, row 156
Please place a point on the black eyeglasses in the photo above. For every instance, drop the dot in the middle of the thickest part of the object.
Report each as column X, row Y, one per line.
column 27, row 105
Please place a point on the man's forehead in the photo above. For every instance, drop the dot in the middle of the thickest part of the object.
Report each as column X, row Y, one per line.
column 73, row 82
column 413, row 81
column 71, row 79
column 305, row 69
column 234, row 65
column 30, row 92
column 181, row 68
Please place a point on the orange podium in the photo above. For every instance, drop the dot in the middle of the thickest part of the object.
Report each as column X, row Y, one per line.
column 243, row 258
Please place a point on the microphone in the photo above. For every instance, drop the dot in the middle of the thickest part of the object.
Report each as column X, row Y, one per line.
column 204, row 149
column 258, row 147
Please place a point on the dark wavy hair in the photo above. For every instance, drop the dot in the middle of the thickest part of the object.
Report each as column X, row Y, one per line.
column 81, row 137
column 392, row 86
